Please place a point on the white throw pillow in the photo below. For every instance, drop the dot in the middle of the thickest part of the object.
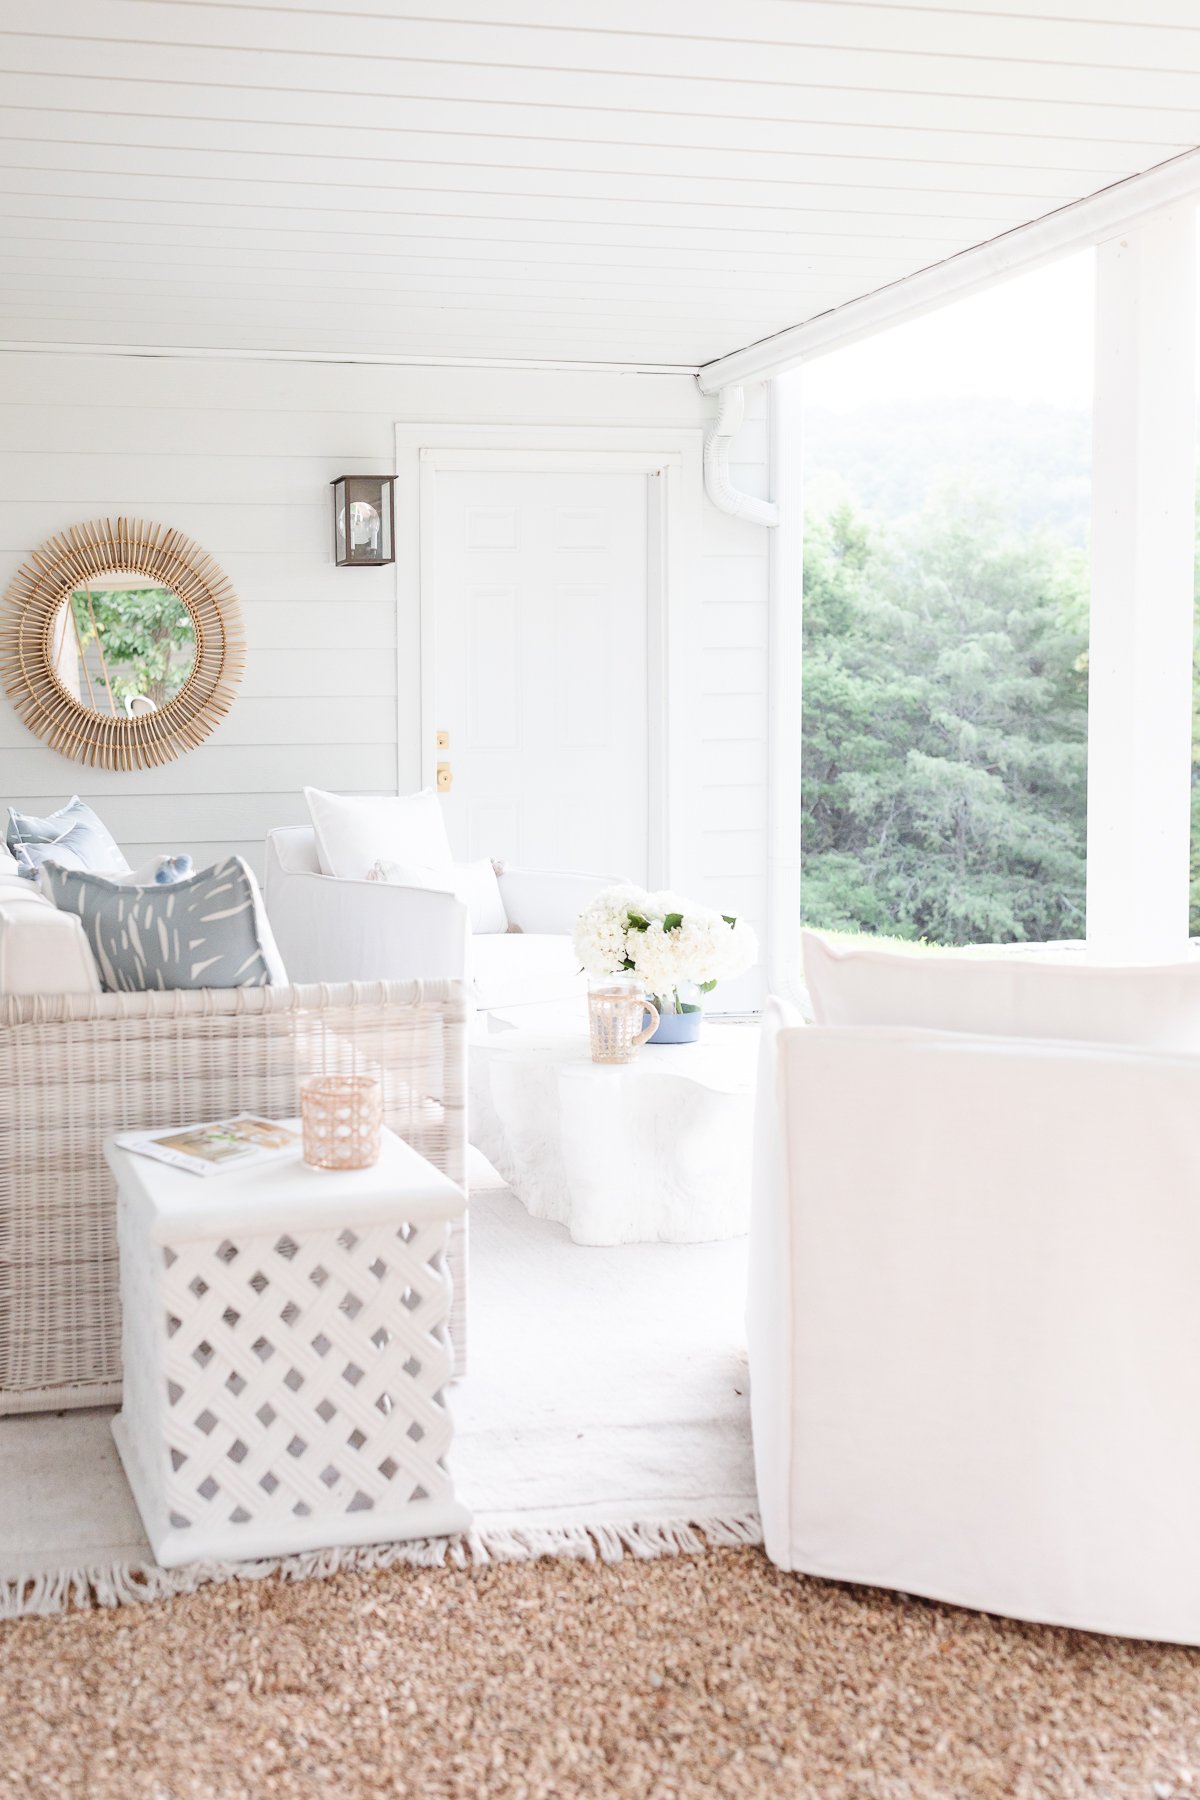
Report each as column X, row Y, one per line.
column 354, row 831
column 474, row 884
column 1154, row 1008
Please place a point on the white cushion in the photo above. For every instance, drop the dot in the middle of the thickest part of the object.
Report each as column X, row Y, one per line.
column 42, row 951
column 524, row 968
column 15, row 887
column 354, row 831
column 22, row 893
column 1154, row 1007
column 474, row 884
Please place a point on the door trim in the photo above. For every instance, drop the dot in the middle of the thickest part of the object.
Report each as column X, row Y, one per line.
column 671, row 460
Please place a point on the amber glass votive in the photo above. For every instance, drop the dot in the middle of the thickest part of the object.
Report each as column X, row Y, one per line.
column 342, row 1117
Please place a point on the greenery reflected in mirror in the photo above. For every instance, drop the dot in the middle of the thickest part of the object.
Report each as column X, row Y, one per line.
column 123, row 645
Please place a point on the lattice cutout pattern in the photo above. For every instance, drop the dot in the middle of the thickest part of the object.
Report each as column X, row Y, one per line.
column 291, row 1377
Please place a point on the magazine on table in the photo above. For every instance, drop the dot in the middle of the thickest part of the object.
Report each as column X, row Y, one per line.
column 220, row 1144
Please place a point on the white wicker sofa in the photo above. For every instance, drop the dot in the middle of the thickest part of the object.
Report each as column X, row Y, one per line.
column 76, row 1066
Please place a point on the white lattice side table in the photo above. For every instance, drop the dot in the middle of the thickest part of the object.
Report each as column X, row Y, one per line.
column 286, row 1354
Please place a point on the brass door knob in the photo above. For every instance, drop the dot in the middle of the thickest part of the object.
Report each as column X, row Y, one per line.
column 445, row 778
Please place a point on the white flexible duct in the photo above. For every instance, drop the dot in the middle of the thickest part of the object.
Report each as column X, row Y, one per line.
column 731, row 407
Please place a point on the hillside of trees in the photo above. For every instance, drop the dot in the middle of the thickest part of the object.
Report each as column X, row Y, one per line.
column 945, row 734
column 1032, row 462
column 945, row 674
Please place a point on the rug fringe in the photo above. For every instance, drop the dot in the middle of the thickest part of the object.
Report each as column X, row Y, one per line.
column 125, row 1584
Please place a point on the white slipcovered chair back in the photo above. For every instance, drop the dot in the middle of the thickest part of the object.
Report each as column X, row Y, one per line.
column 975, row 1346
column 329, row 929
column 293, row 848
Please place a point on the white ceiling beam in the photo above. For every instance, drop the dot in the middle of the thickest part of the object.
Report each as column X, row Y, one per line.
column 1101, row 216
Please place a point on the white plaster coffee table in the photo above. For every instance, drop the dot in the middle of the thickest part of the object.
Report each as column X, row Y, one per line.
column 653, row 1151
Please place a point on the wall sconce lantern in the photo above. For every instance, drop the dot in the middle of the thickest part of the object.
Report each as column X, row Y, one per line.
column 364, row 521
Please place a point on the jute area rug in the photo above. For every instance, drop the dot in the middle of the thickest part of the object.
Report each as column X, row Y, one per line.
column 605, row 1413
column 671, row 1679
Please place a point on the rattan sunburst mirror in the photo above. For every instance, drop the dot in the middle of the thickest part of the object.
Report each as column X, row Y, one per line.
column 121, row 643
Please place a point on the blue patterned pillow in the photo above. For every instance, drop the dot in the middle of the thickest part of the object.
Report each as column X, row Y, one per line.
column 207, row 931
column 84, row 837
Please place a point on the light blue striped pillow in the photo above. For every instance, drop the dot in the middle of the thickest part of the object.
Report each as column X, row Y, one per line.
column 207, row 931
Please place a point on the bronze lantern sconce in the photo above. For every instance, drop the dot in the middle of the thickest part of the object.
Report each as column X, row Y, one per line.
column 364, row 521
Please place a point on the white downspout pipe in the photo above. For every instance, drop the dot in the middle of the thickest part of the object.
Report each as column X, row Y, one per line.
column 731, row 407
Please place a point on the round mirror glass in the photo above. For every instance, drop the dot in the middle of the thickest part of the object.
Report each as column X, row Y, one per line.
column 123, row 645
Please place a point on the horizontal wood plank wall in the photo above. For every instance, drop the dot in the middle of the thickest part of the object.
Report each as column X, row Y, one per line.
column 240, row 454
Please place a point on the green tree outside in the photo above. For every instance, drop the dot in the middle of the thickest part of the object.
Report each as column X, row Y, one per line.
column 945, row 727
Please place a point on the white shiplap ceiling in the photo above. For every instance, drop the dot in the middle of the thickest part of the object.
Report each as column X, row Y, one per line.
column 646, row 182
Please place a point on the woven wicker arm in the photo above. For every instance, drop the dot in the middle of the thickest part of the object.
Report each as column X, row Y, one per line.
column 75, row 1068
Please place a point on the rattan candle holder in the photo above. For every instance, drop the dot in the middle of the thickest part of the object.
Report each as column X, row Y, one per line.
column 616, row 1014
column 342, row 1118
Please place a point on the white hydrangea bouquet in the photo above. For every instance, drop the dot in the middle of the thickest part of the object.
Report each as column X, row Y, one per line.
column 664, row 941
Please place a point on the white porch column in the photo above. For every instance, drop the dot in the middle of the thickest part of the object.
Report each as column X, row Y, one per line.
column 1143, row 549
column 784, row 680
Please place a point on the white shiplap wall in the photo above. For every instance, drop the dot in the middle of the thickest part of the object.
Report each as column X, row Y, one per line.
column 240, row 455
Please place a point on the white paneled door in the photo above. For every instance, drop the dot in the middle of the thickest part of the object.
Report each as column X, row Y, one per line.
column 540, row 671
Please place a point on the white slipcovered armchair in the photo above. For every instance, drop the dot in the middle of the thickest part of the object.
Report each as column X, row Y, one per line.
column 974, row 1339
column 330, row 929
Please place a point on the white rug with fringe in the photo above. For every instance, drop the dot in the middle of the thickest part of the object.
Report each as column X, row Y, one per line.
column 605, row 1413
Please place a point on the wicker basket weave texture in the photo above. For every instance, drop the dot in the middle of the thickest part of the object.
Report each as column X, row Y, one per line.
column 74, row 1069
